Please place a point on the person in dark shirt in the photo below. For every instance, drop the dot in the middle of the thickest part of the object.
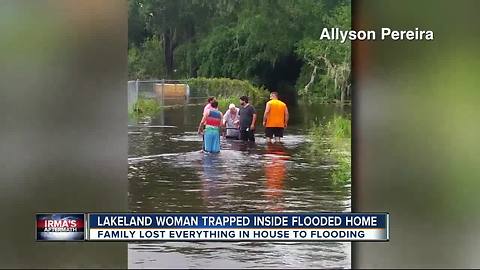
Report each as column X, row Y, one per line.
column 248, row 117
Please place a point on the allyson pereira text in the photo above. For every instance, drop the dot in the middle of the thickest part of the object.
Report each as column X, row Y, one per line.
column 382, row 34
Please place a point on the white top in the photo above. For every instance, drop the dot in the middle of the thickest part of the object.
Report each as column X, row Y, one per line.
column 231, row 121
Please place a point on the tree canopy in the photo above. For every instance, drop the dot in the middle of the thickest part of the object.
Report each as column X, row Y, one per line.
column 271, row 43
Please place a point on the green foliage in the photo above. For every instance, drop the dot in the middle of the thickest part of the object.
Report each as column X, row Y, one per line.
column 241, row 39
column 223, row 103
column 136, row 68
column 221, row 42
column 330, row 59
column 336, row 136
column 136, row 24
column 340, row 128
column 317, row 137
column 256, row 39
column 146, row 107
column 146, row 62
column 185, row 68
column 343, row 173
column 223, row 88
column 320, row 91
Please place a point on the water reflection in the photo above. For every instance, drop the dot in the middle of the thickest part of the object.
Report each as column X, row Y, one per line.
column 212, row 177
column 275, row 170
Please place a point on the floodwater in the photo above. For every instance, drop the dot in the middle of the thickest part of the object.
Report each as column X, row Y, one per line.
column 168, row 173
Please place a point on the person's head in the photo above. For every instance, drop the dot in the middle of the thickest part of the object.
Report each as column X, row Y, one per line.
column 214, row 104
column 243, row 100
column 232, row 108
column 210, row 100
column 274, row 95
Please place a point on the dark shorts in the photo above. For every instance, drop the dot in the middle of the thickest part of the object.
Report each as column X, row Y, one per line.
column 247, row 135
column 274, row 131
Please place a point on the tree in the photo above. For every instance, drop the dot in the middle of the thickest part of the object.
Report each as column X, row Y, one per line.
column 261, row 33
column 137, row 31
column 147, row 61
column 175, row 22
column 331, row 56
column 263, row 41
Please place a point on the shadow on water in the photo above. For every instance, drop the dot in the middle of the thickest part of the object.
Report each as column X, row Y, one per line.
column 168, row 173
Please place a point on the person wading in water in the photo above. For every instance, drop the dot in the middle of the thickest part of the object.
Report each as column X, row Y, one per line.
column 275, row 118
column 208, row 106
column 212, row 120
column 248, row 117
column 231, row 122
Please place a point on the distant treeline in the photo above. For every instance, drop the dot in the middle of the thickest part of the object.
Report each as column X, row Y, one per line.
column 271, row 43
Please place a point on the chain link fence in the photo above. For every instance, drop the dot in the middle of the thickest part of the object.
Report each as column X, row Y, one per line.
column 166, row 92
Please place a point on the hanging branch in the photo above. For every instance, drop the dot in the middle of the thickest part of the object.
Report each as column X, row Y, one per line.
column 312, row 79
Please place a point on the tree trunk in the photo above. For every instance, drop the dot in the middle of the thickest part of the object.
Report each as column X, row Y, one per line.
column 335, row 86
column 312, row 79
column 342, row 95
column 168, row 52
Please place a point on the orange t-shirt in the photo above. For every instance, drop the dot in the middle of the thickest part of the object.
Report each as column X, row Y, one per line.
column 276, row 115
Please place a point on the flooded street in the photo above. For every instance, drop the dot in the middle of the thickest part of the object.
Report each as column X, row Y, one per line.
column 168, row 173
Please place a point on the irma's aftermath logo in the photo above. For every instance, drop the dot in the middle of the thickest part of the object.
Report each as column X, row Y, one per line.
column 60, row 227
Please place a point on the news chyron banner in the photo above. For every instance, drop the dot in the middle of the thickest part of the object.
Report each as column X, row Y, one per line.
column 214, row 227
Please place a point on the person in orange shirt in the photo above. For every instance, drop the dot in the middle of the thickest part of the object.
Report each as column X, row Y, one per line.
column 275, row 118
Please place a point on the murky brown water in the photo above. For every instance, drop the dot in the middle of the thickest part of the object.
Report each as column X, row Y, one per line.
column 168, row 173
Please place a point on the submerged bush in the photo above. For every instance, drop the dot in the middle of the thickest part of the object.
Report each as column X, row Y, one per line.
column 225, row 88
column 145, row 107
column 336, row 133
column 224, row 102
column 340, row 127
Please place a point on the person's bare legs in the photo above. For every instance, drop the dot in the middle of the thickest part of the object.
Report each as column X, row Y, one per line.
column 277, row 139
column 269, row 140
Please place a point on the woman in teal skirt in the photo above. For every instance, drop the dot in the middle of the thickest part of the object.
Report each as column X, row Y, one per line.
column 212, row 119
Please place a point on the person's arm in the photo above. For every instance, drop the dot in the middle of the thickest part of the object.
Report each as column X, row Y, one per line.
column 254, row 120
column 267, row 110
column 222, row 125
column 200, row 126
column 224, row 122
column 286, row 116
column 237, row 119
